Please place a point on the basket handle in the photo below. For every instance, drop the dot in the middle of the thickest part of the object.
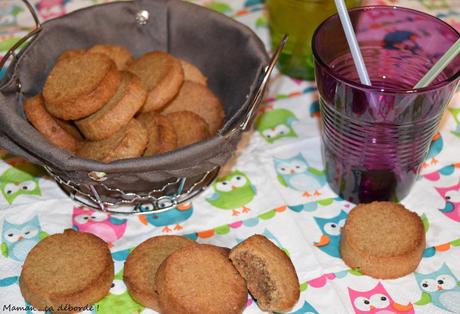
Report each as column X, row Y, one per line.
column 254, row 106
column 33, row 32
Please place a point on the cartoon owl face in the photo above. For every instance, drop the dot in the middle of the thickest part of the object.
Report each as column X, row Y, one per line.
column 437, row 282
column 18, row 239
column 13, row 233
column 277, row 132
column 371, row 301
column 290, row 166
column 51, row 8
column 235, row 181
column 441, row 287
column 105, row 226
column 232, row 191
column 276, row 124
column 16, row 181
column 331, row 229
column 332, row 226
column 296, row 173
column 175, row 215
column 84, row 217
column 441, row 282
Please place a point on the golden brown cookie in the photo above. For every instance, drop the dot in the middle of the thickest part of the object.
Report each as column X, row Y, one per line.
column 161, row 74
column 200, row 279
column 200, row 100
column 70, row 128
column 118, row 111
column 128, row 142
column 269, row 273
column 120, row 55
column 56, row 272
column 161, row 133
column 193, row 74
column 383, row 240
column 47, row 125
column 80, row 85
column 142, row 264
column 190, row 127
column 71, row 53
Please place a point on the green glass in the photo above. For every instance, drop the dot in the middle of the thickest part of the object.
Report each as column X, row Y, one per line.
column 298, row 19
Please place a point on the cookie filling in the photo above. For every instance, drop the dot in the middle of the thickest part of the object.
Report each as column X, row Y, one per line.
column 254, row 270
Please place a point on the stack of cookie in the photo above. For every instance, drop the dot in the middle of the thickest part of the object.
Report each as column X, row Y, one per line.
column 383, row 240
column 103, row 104
column 67, row 272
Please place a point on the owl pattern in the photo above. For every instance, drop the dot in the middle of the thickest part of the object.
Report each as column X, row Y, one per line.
column 48, row 9
column 233, row 192
column 306, row 308
column 451, row 196
column 330, row 228
column 8, row 15
column 297, row 174
column 105, row 226
column 440, row 288
column 19, row 239
column 436, row 146
column 21, row 179
column 377, row 301
column 118, row 298
column 174, row 216
column 456, row 114
column 276, row 124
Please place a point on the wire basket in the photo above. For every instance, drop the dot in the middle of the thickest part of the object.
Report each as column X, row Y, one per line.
column 229, row 53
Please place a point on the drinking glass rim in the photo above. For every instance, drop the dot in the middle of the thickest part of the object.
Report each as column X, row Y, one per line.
column 359, row 85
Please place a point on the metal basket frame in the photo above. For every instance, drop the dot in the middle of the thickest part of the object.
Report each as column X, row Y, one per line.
column 154, row 197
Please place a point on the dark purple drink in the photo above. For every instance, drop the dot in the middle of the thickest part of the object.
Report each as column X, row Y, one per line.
column 374, row 139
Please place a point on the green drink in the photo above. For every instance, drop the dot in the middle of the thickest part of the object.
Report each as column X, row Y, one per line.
column 298, row 19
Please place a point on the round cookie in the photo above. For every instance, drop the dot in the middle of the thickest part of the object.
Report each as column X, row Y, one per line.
column 118, row 111
column 161, row 74
column 269, row 273
column 50, row 127
column 120, row 55
column 200, row 279
column 79, row 85
column 382, row 239
column 142, row 264
column 57, row 273
column 161, row 133
column 193, row 74
column 128, row 142
column 190, row 127
column 200, row 100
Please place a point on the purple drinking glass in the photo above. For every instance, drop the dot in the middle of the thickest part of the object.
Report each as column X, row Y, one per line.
column 375, row 138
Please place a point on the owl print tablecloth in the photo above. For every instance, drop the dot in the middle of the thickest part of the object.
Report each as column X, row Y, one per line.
column 306, row 224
